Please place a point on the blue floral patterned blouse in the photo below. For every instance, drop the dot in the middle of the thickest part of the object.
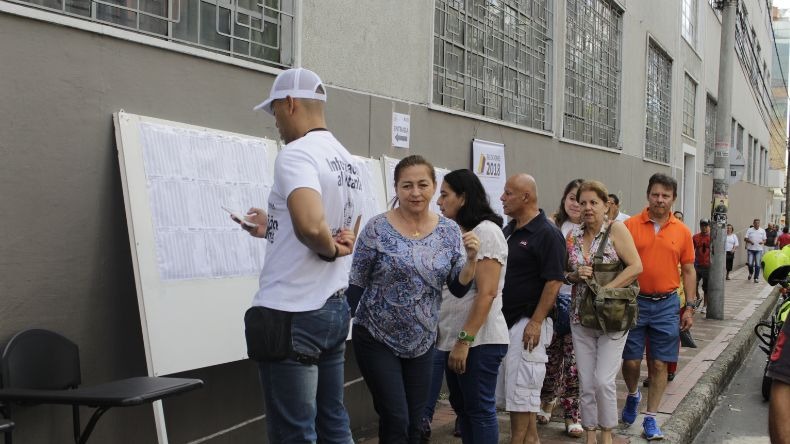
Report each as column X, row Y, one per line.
column 402, row 280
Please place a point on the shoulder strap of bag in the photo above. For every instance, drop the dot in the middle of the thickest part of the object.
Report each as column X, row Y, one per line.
column 602, row 245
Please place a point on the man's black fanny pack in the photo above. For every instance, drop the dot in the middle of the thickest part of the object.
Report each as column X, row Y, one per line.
column 268, row 334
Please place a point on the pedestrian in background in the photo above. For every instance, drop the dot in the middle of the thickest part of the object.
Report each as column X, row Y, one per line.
column 754, row 239
column 562, row 378
column 771, row 233
column 783, row 239
column 701, row 242
column 730, row 244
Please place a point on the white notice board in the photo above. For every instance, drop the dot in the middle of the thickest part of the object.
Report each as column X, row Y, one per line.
column 196, row 271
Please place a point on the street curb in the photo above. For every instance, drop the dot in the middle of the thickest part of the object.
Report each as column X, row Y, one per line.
column 695, row 408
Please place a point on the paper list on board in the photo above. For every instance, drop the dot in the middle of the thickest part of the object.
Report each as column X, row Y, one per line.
column 191, row 174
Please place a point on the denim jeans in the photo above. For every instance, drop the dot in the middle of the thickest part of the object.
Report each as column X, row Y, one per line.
column 437, row 377
column 304, row 403
column 399, row 387
column 473, row 394
column 753, row 258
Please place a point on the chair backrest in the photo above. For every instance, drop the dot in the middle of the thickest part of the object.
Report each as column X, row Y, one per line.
column 40, row 359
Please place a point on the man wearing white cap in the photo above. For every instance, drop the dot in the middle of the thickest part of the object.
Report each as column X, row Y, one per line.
column 301, row 298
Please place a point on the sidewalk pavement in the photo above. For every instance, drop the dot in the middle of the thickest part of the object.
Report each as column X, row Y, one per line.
column 703, row 373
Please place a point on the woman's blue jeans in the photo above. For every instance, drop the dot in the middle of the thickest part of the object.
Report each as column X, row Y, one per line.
column 473, row 394
column 399, row 387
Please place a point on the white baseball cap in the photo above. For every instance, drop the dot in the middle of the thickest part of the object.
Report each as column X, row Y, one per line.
column 299, row 83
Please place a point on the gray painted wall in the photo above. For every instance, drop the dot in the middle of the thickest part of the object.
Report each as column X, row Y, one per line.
column 64, row 246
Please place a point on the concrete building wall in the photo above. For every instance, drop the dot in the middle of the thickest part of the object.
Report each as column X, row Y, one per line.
column 69, row 268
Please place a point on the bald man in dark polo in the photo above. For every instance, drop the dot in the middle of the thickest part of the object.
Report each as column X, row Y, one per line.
column 536, row 260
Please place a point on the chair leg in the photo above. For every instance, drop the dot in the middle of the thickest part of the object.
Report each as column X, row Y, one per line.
column 91, row 424
column 75, row 422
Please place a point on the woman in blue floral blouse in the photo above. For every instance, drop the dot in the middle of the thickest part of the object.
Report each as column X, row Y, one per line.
column 402, row 260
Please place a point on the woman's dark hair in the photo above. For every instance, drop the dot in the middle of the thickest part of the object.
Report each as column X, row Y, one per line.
column 561, row 215
column 410, row 161
column 476, row 207
column 413, row 160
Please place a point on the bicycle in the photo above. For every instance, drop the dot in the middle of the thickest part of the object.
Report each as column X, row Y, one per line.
column 767, row 331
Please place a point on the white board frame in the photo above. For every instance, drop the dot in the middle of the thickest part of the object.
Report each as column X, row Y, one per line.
column 186, row 324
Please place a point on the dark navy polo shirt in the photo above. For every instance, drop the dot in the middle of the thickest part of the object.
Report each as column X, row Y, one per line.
column 536, row 254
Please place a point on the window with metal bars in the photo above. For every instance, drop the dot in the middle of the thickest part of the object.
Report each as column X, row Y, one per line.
column 494, row 58
column 689, row 21
column 260, row 31
column 658, row 104
column 689, row 105
column 592, row 72
column 710, row 133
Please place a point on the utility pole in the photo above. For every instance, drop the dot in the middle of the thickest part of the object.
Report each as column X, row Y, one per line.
column 721, row 161
column 787, row 187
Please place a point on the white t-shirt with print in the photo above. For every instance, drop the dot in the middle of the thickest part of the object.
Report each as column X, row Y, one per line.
column 455, row 311
column 755, row 237
column 293, row 277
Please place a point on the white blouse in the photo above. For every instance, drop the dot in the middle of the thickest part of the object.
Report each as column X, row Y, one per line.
column 455, row 311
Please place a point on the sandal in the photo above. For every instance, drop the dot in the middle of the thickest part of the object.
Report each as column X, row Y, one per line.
column 544, row 417
column 574, row 429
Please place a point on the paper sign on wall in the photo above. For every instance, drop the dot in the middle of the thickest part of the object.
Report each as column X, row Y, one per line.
column 401, row 128
column 488, row 163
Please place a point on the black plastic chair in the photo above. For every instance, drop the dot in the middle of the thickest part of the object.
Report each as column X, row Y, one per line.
column 42, row 367
column 6, row 426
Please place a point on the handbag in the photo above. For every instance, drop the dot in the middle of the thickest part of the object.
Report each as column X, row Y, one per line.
column 608, row 309
column 562, row 323
column 268, row 334
column 686, row 340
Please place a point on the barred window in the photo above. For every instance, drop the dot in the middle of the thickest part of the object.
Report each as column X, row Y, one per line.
column 689, row 21
column 710, row 133
column 689, row 105
column 658, row 104
column 592, row 72
column 494, row 58
column 260, row 31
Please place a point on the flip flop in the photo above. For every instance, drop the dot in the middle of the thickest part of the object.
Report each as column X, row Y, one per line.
column 574, row 430
column 543, row 417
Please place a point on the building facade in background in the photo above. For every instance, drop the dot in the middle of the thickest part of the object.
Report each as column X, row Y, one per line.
column 613, row 90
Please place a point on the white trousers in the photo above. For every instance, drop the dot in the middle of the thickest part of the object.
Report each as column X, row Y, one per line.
column 598, row 359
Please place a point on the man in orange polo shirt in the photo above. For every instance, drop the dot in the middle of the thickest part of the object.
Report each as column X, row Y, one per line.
column 663, row 243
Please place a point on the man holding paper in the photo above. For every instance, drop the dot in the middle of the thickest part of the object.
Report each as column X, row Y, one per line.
column 299, row 321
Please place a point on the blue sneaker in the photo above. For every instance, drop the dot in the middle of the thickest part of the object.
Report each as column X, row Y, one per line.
column 650, row 431
column 631, row 408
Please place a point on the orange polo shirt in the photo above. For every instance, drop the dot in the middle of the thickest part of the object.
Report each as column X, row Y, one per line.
column 660, row 252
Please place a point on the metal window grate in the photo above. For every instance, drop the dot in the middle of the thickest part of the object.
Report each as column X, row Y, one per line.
column 710, row 133
column 689, row 106
column 260, row 31
column 493, row 58
column 658, row 104
column 592, row 72
column 688, row 26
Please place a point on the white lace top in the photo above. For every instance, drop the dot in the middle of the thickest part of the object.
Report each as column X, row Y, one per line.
column 455, row 311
